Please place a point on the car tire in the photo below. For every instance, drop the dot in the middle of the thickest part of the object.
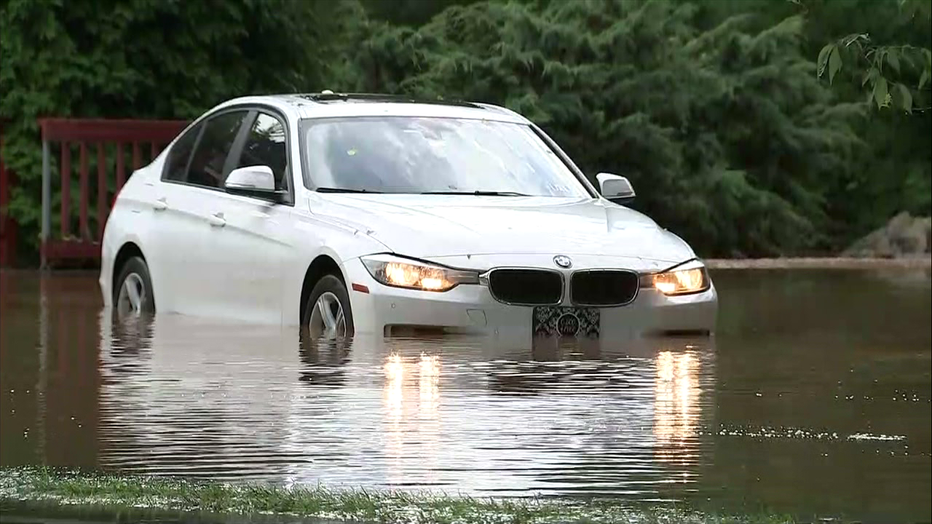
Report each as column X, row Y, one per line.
column 329, row 294
column 133, row 296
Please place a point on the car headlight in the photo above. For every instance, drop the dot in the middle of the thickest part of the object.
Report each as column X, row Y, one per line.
column 413, row 274
column 690, row 277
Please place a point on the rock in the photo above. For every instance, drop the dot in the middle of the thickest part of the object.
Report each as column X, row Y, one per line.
column 903, row 236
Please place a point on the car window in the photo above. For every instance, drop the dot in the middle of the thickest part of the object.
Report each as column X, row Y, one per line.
column 207, row 164
column 435, row 155
column 176, row 163
column 265, row 146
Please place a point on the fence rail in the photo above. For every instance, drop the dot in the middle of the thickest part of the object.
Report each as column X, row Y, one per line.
column 107, row 144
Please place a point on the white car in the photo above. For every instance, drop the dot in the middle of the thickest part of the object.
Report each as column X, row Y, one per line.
column 351, row 214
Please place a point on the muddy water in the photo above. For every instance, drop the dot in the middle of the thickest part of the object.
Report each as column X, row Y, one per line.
column 813, row 399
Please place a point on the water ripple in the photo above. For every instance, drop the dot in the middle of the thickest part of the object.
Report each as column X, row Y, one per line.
column 806, row 400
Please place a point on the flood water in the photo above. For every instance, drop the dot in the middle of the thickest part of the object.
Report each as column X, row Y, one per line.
column 813, row 398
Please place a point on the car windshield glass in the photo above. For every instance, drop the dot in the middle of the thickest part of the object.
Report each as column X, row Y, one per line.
column 434, row 155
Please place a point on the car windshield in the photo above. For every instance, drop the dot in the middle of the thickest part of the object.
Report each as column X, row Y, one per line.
column 434, row 155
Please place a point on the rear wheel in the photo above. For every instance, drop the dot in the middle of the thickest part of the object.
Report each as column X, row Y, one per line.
column 132, row 296
column 327, row 313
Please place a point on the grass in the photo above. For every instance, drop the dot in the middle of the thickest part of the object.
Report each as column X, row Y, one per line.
column 112, row 497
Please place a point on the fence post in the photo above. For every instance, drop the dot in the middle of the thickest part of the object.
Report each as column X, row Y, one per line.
column 46, row 202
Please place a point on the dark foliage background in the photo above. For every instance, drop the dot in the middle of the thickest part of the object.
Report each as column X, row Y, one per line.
column 714, row 110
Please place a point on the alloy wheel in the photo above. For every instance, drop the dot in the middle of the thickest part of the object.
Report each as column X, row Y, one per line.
column 327, row 319
column 132, row 296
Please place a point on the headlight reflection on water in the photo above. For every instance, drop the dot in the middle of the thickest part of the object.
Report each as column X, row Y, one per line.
column 429, row 383
column 412, row 416
column 394, row 386
column 428, row 377
column 676, row 405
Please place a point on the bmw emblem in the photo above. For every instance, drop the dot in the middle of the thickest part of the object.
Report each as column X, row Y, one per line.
column 563, row 261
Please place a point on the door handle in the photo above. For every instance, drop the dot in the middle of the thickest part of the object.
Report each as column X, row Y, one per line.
column 217, row 220
column 160, row 204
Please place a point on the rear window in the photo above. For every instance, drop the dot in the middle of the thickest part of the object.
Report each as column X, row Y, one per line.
column 176, row 163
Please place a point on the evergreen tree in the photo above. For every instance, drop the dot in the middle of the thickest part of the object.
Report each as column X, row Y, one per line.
column 726, row 133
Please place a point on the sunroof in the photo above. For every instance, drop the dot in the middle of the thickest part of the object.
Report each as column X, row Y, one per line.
column 366, row 97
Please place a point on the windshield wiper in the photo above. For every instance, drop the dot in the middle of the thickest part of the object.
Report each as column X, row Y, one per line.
column 471, row 193
column 476, row 193
column 342, row 190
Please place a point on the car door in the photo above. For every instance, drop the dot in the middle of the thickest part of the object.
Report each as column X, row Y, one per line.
column 253, row 242
column 177, row 228
column 192, row 180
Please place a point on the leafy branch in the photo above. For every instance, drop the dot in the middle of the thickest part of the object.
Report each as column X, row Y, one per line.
column 884, row 66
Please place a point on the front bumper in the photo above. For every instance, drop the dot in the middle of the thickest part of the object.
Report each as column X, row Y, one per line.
column 472, row 309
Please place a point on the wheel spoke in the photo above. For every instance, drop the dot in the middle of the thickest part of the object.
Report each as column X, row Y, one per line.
column 132, row 292
column 340, row 327
column 328, row 319
column 132, row 297
column 326, row 314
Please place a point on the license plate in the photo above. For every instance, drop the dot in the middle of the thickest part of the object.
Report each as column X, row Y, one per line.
column 566, row 322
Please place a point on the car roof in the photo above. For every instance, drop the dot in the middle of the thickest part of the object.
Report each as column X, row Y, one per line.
column 330, row 105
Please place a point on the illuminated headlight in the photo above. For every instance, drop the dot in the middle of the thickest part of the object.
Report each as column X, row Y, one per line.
column 412, row 274
column 690, row 277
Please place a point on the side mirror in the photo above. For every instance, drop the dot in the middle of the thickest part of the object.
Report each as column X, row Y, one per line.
column 615, row 188
column 257, row 181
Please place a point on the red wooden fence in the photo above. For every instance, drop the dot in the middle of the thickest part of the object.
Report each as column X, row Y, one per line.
column 108, row 141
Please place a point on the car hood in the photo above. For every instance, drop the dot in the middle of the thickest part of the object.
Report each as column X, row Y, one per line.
column 433, row 226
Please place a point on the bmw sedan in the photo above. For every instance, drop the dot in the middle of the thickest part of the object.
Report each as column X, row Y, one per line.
column 351, row 214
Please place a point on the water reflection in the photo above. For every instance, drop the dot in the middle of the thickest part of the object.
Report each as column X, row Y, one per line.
column 683, row 419
column 49, row 372
column 429, row 384
column 394, row 412
column 394, row 381
column 323, row 363
column 206, row 399
column 412, row 399
column 426, row 370
column 677, row 407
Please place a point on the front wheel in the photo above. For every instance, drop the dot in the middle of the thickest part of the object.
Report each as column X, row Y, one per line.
column 327, row 313
column 132, row 296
